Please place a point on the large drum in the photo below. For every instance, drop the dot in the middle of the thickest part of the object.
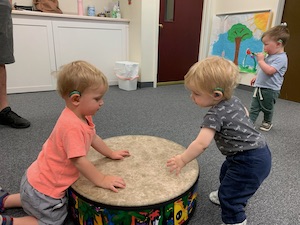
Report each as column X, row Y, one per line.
column 152, row 195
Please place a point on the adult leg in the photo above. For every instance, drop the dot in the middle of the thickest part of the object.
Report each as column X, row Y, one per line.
column 7, row 116
column 6, row 49
column 3, row 86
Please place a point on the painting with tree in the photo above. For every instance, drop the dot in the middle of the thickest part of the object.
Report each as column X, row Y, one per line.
column 237, row 37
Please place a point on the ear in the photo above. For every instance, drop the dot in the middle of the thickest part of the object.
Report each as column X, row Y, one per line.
column 279, row 42
column 218, row 95
column 74, row 98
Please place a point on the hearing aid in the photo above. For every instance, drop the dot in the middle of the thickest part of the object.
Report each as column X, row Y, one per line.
column 216, row 94
column 74, row 92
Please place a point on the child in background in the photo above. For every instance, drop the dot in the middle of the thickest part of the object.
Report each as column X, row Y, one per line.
column 63, row 156
column 269, row 78
column 248, row 158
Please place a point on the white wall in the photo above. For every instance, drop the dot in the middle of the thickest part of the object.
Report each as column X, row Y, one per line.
column 133, row 13
column 213, row 7
column 143, row 35
column 149, row 35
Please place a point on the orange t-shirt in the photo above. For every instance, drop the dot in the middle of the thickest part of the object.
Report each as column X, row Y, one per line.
column 53, row 172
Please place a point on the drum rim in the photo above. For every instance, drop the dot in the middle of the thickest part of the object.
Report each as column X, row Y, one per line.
column 135, row 208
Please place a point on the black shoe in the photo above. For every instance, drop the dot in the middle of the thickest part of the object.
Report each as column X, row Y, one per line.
column 10, row 118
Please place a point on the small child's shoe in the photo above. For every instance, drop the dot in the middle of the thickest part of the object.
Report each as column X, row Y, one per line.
column 242, row 223
column 266, row 126
column 214, row 198
column 3, row 195
column 6, row 220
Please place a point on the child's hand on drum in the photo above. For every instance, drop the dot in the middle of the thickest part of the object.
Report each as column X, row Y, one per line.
column 121, row 154
column 176, row 163
column 112, row 183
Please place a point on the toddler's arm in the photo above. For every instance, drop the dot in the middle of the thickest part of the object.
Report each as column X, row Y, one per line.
column 252, row 81
column 195, row 149
column 88, row 170
column 99, row 145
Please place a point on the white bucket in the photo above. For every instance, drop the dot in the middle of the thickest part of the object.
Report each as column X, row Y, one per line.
column 127, row 73
column 127, row 85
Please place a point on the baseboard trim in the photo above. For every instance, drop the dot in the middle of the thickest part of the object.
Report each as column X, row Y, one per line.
column 170, row 83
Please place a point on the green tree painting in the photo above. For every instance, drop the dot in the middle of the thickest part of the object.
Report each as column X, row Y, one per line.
column 236, row 36
column 238, row 33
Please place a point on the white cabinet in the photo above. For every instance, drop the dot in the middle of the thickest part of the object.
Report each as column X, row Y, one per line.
column 34, row 55
column 42, row 44
column 101, row 44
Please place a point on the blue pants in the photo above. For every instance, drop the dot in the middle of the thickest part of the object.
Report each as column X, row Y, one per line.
column 240, row 177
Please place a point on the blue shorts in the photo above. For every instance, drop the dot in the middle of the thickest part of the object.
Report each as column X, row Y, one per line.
column 6, row 34
column 47, row 210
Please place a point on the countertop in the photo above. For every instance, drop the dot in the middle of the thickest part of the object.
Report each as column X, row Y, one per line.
column 70, row 16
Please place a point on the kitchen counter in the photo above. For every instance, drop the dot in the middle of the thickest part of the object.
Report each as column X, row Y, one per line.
column 70, row 16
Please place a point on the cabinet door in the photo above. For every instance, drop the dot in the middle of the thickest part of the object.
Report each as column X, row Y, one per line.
column 34, row 55
column 101, row 44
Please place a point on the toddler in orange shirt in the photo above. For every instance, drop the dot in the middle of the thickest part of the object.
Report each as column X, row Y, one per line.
column 63, row 156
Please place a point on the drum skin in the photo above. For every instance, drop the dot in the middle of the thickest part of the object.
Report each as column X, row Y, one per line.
column 152, row 195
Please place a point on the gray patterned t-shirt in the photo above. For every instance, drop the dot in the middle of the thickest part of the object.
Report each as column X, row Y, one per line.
column 234, row 130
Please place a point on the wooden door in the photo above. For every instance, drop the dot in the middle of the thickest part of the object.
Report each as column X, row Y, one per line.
column 290, row 88
column 179, row 38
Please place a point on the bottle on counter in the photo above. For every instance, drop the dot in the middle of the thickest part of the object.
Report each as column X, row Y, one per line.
column 118, row 11
column 80, row 7
column 114, row 11
column 91, row 11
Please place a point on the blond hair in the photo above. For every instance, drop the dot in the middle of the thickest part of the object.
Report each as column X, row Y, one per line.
column 278, row 33
column 213, row 74
column 78, row 76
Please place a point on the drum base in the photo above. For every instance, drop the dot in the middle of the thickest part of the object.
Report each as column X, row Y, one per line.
column 174, row 212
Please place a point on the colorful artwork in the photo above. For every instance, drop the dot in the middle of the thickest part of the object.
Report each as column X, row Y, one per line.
column 171, row 213
column 237, row 37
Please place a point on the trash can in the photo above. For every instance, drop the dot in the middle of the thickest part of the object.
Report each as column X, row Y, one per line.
column 127, row 73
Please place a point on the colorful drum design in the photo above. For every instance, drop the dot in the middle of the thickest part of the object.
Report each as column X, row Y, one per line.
column 152, row 195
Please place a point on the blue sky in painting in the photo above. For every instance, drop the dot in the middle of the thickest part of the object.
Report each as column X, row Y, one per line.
column 223, row 47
